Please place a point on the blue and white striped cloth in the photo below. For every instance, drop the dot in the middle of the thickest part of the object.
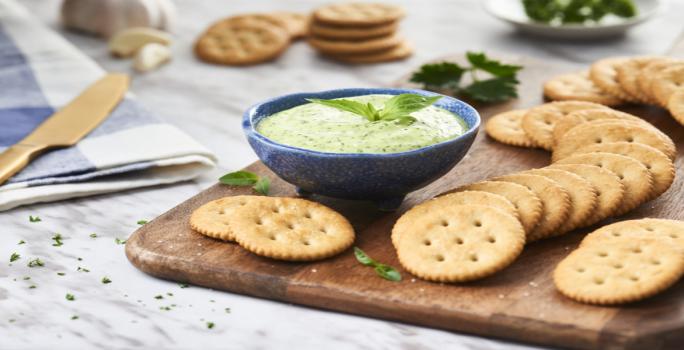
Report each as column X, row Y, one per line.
column 40, row 72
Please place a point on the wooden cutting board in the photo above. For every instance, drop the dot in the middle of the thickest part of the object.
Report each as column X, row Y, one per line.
column 519, row 303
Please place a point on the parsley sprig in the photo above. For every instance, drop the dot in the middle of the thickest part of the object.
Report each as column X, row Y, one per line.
column 385, row 271
column 397, row 108
column 500, row 84
column 577, row 11
column 260, row 184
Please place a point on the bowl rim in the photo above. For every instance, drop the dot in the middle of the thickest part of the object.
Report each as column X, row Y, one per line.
column 250, row 130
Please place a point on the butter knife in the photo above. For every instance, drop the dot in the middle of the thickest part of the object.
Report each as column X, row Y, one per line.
column 67, row 126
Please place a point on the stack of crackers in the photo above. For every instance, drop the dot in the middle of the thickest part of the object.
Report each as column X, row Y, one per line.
column 289, row 229
column 623, row 262
column 358, row 33
column 652, row 80
column 606, row 164
column 250, row 38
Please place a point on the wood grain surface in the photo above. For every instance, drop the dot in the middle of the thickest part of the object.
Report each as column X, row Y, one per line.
column 519, row 303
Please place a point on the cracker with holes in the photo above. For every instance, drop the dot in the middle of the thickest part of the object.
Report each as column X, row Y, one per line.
column 658, row 164
column 213, row 218
column 456, row 198
column 507, row 128
column 352, row 33
column 604, row 74
column 295, row 23
column 399, row 52
column 609, row 189
column 670, row 232
column 539, row 121
column 580, row 117
column 623, row 271
column 578, row 87
column 291, row 229
column 634, row 176
column 555, row 203
column 605, row 131
column 651, row 69
column 459, row 243
column 583, row 198
column 358, row 14
column 241, row 42
column 529, row 206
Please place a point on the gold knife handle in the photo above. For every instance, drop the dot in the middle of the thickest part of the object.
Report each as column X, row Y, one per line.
column 15, row 158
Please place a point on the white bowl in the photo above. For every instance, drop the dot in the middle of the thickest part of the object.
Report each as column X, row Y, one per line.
column 513, row 12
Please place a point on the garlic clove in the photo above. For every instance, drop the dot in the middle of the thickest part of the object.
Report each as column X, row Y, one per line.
column 168, row 14
column 128, row 41
column 151, row 56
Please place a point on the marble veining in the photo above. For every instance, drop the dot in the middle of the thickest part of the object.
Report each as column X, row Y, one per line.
column 207, row 102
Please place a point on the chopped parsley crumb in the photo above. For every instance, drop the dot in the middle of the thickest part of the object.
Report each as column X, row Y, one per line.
column 159, row 296
column 227, row 310
column 169, row 294
column 165, row 308
column 70, row 297
column 119, row 241
column 93, row 235
column 34, row 218
column 60, row 274
column 22, row 242
column 26, row 278
column 183, row 285
column 14, row 257
column 33, row 286
column 142, row 222
column 210, row 325
column 212, row 300
column 74, row 317
column 82, row 269
column 36, row 263
column 106, row 280
column 58, row 240
column 79, row 259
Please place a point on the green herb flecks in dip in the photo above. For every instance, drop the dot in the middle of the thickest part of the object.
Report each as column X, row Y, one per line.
column 326, row 129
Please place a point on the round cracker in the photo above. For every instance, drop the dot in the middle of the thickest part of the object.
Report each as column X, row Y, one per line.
column 578, row 87
column 658, row 164
column 670, row 232
column 351, row 47
column 676, row 105
column 529, row 206
column 507, row 128
column 241, row 43
column 605, row 131
column 264, row 19
column 456, row 198
column 213, row 218
column 292, row 229
column 633, row 175
column 609, row 189
column 399, row 52
column 583, row 198
column 628, row 75
column 579, row 117
column 459, row 243
column 355, row 14
column 666, row 82
column 622, row 272
column 352, row 33
column 539, row 121
column 555, row 203
column 604, row 74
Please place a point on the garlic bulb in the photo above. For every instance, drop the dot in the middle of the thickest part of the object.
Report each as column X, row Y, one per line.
column 107, row 17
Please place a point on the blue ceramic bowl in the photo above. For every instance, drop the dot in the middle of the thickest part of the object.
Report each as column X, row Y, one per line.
column 384, row 178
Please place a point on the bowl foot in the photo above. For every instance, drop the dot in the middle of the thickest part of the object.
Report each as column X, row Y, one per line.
column 303, row 193
column 389, row 204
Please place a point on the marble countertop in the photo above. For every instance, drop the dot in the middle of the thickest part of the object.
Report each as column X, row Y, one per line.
column 207, row 101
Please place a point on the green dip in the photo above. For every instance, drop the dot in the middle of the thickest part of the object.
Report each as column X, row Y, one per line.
column 326, row 129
